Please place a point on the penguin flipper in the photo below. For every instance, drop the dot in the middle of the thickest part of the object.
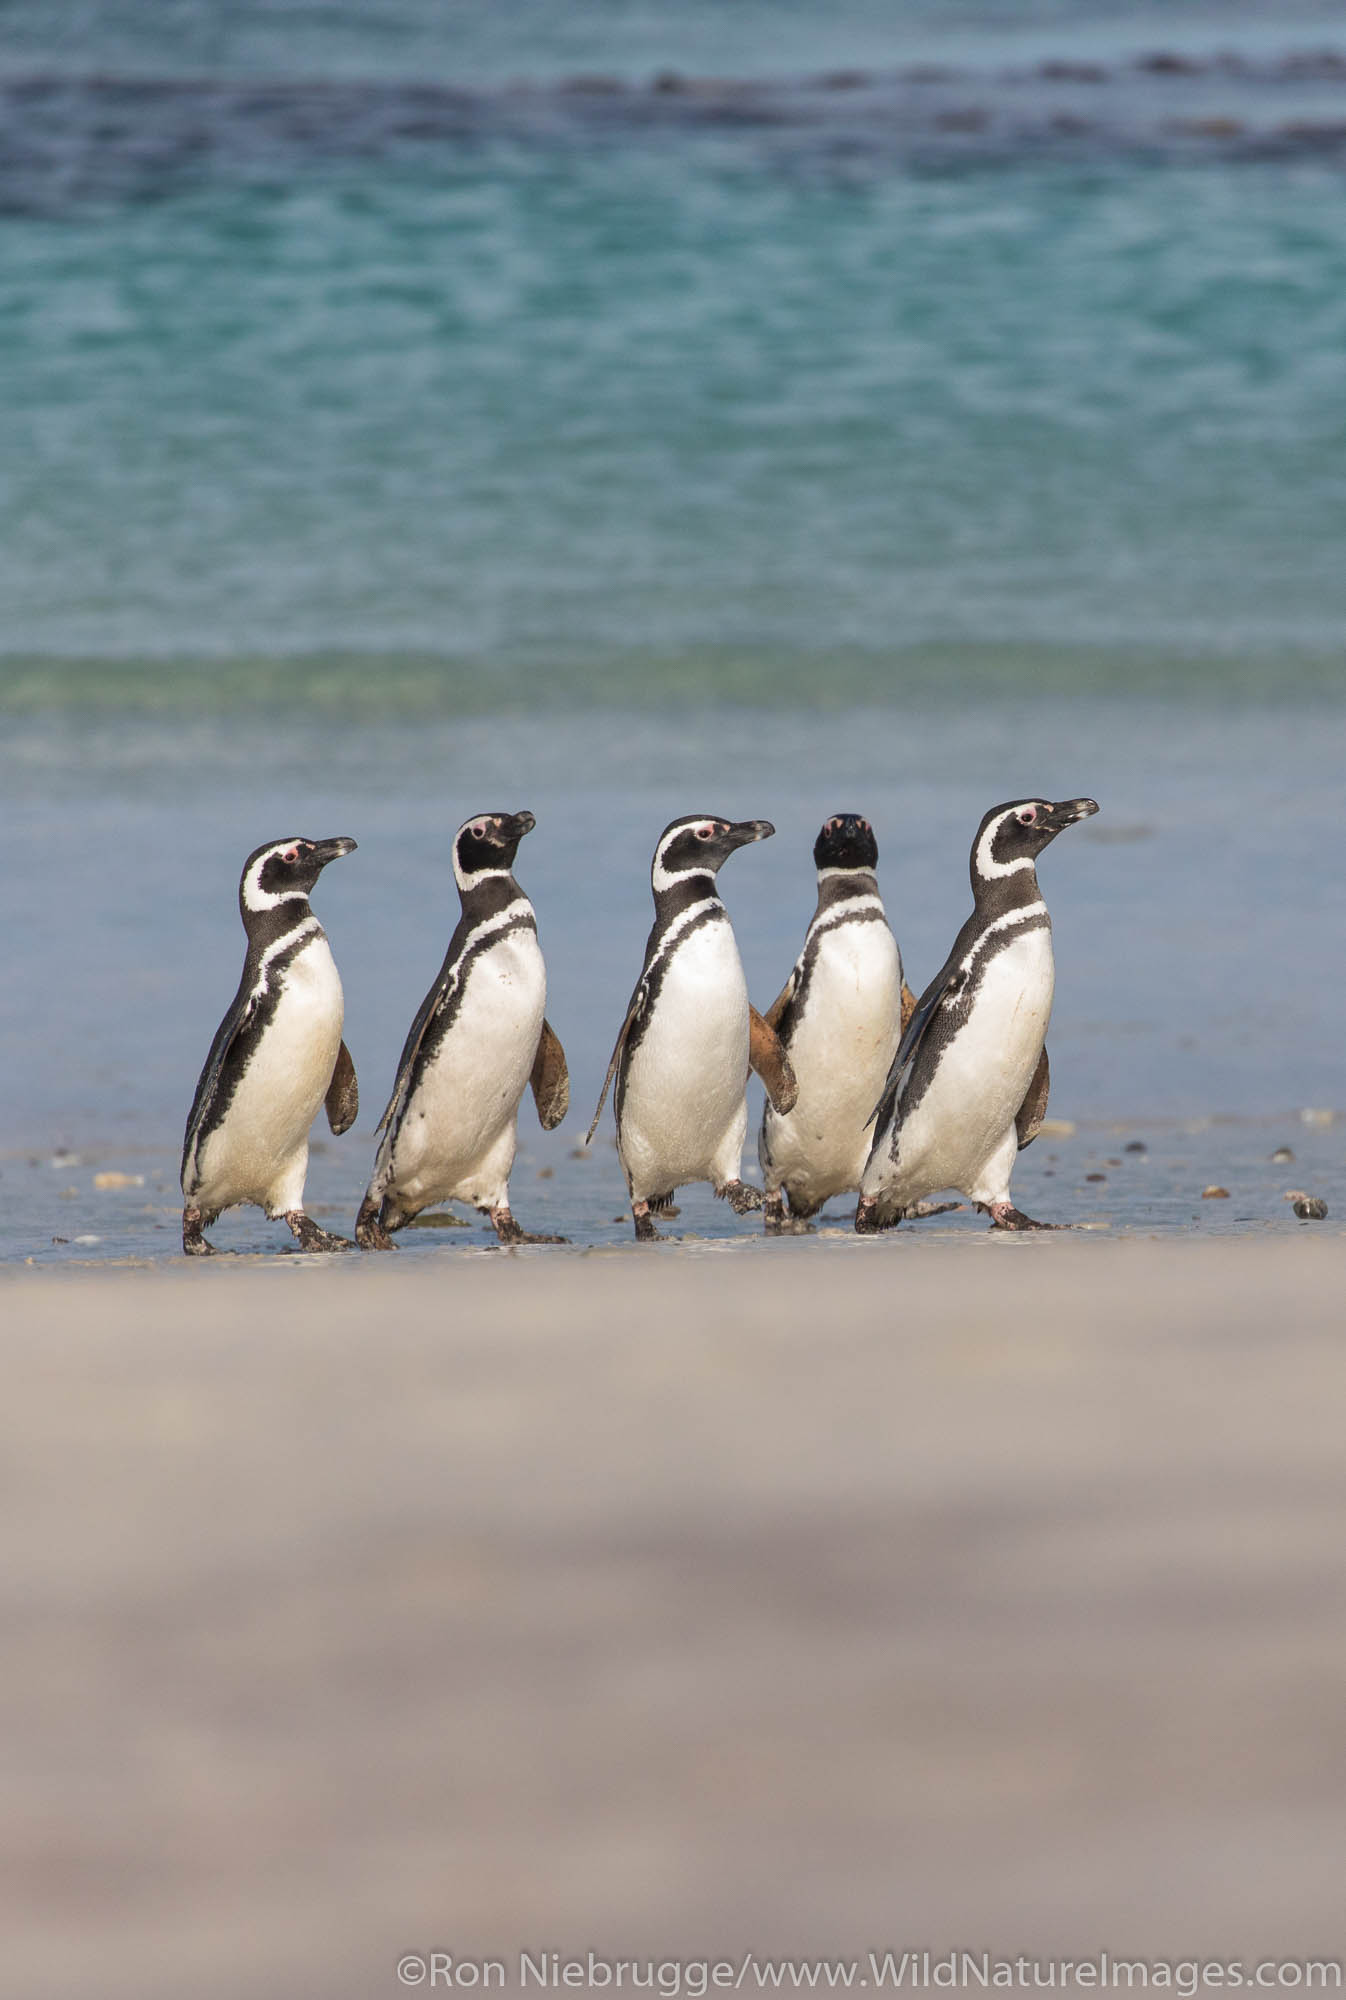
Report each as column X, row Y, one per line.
column 779, row 1007
column 429, row 1007
column 208, row 1082
column 767, row 1056
column 946, row 980
column 550, row 1079
column 633, row 1013
column 343, row 1094
column 1028, row 1119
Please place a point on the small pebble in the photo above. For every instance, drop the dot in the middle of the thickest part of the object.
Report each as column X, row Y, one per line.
column 546, row 1173
column 58, row 1239
column 113, row 1179
column 1282, row 1156
column 88, row 1239
column 1095, row 1177
column 1311, row 1208
column 1135, row 1146
column 1215, row 1194
column 1112, row 1163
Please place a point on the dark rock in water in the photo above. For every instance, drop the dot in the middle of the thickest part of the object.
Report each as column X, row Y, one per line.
column 1135, row 1146
column 1282, row 1155
column 1095, row 1177
column 1215, row 1194
column 1311, row 1208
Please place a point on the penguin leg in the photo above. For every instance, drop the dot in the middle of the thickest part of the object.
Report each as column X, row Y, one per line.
column 194, row 1243
column 509, row 1231
column 920, row 1209
column 371, row 1232
column 645, row 1229
column 1004, row 1215
column 744, row 1200
column 309, row 1235
column 775, row 1222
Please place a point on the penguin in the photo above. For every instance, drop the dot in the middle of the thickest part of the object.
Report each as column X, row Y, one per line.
column 277, row 1055
column 451, row 1125
column 839, row 1016
column 968, row 1086
column 683, row 1054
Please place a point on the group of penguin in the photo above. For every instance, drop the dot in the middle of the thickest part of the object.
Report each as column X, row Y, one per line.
column 868, row 1090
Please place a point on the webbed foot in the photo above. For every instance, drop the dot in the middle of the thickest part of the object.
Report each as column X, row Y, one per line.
column 310, row 1236
column 194, row 1243
column 1004, row 1215
column 509, row 1232
column 744, row 1200
column 370, row 1232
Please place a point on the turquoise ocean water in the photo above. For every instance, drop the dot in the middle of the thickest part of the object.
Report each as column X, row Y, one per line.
column 619, row 409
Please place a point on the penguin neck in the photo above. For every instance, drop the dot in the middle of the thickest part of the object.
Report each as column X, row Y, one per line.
column 844, row 885
column 266, row 928
column 681, row 893
column 486, row 895
column 1015, row 889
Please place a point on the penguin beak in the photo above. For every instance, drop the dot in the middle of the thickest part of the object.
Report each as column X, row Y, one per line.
column 331, row 850
column 518, row 825
column 1064, row 815
column 743, row 832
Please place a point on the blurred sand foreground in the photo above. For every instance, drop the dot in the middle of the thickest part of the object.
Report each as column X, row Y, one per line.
column 809, row 1598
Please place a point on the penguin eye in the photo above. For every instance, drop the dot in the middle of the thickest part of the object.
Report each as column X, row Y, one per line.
column 704, row 832
column 290, row 854
column 1028, row 815
column 479, row 831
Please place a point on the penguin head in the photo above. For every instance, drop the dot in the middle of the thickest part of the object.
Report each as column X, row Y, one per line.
column 1011, row 837
column 699, row 844
column 846, row 842
column 285, row 871
column 486, row 845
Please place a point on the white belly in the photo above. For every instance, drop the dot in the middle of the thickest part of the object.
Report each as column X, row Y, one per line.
column 963, row 1120
column 456, row 1138
column 841, row 1050
column 684, row 1112
column 259, row 1152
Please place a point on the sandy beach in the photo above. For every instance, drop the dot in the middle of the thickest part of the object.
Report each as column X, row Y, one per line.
column 820, row 1600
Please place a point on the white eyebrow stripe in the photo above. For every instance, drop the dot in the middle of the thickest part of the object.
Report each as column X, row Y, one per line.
column 987, row 866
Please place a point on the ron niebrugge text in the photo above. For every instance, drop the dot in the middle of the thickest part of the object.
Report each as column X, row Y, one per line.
column 694, row 1978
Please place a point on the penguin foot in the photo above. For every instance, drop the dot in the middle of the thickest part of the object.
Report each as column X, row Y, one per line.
column 744, row 1200
column 310, row 1236
column 370, row 1232
column 508, row 1230
column 194, row 1243
column 868, row 1221
column 775, row 1222
column 920, row 1209
column 645, row 1229
column 1004, row 1215
column 663, row 1204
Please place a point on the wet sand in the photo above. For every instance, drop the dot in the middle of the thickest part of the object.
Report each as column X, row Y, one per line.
column 822, row 1601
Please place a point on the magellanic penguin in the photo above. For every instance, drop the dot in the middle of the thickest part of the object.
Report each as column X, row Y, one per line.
column 689, row 1037
column 968, row 1086
column 277, row 1055
column 451, row 1125
column 839, row 1016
